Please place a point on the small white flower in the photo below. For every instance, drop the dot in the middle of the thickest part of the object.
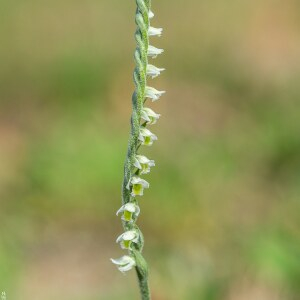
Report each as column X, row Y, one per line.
column 153, row 51
column 138, row 186
column 151, row 14
column 124, row 263
column 153, row 93
column 153, row 71
column 127, row 238
column 147, row 137
column 130, row 211
column 149, row 115
column 152, row 31
column 143, row 163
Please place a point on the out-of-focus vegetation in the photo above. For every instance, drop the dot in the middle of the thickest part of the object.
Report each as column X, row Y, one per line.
column 221, row 219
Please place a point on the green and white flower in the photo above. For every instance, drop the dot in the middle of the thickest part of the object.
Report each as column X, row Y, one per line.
column 130, row 212
column 124, row 263
column 153, row 51
column 127, row 238
column 143, row 163
column 152, row 31
column 149, row 116
column 147, row 137
column 153, row 71
column 153, row 93
column 138, row 185
column 151, row 14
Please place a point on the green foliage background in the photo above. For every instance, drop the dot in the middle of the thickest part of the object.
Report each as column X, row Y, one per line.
column 221, row 218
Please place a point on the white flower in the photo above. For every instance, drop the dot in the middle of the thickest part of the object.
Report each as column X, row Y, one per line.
column 147, row 137
column 143, row 163
column 152, row 31
column 128, row 237
column 153, row 93
column 153, row 71
column 153, row 51
column 138, row 186
column 130, row 211
column 124, row 263
column 149, row 116
column 151, row 14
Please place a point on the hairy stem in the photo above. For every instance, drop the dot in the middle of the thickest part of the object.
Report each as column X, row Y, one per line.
column 139, row 76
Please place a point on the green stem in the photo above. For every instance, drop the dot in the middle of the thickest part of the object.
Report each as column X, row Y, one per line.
column 144, row 287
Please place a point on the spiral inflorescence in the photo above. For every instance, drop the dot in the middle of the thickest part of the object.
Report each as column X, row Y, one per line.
column 137, row 164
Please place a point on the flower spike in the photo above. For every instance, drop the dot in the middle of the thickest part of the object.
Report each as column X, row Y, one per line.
column 137, row 164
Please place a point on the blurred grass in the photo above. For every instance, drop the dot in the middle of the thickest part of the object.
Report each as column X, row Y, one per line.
column 222, row 217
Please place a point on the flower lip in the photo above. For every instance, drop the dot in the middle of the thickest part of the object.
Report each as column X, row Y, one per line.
column 138, row 185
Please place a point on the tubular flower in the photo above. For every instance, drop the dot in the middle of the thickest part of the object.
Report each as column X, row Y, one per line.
column 152, row 31
column 149, row 116
column 147, row 137
column 130, row 212
column 153, row 51
column 153, row 71
column 153, row 93
column 124, row 263
column 143, row 163
column 127, row 238
column 138, row 186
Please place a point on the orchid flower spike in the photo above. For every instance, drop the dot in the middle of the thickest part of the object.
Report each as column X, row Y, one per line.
column 125, row 263
column 143, row 163
column 153, row 93
column 149, row 116
column 147, row 137
column 152, row 31
column 138, row 185
column 153, row 51
column 153, row 71
column 130, row 212
column 127, row 238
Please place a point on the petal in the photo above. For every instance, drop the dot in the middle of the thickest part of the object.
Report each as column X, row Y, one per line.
column 120, row 210
column 150, row 14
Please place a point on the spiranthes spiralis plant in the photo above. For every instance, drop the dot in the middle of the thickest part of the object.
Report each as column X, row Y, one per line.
column 137, row 164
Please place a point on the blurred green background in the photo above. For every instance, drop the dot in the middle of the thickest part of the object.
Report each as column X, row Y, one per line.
column 221, row 219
